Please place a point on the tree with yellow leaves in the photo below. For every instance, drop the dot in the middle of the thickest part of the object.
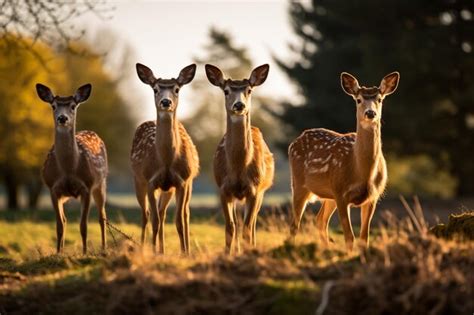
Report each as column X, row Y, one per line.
column 26, row 124
column 25, row 127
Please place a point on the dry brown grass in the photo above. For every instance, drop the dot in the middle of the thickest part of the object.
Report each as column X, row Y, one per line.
column 405, row 271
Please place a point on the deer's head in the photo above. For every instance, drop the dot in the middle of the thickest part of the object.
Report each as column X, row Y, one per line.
column 369, row 99
column 237, row 92
column 64, row 107
column 166, row 91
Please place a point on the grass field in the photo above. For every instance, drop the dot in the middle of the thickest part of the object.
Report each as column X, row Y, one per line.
column 404, row 271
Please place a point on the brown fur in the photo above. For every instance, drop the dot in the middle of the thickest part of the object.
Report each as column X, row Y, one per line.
column 243, row 164
column 165, row 160
column 342, row 170
column 76, row 165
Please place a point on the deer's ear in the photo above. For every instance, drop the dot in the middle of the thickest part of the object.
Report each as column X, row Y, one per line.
column 214, row 75
column 259, row 75
column 187, row 75
column 349, row 84
column 389, row 83
column 83, row 93
column 44, row 93
column 145, row 74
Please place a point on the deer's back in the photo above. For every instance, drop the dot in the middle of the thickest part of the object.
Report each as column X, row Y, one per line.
column 258, row 173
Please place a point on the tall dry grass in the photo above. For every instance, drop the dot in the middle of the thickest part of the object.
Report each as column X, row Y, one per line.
column 406, row 270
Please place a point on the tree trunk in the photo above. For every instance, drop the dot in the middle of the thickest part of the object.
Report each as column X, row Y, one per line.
column 34, row 188
column 11, row 185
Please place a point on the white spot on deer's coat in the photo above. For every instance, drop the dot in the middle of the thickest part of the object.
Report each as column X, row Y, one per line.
column 320, row 170
column 313, row 198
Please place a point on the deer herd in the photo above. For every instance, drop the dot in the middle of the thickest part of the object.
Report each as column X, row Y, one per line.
column 339, row 170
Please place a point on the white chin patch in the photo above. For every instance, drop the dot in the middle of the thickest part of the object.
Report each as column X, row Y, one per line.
column 165, row 114
column 368, row 124
column 236, row 118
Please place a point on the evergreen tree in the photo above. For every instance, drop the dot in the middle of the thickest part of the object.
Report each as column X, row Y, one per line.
column 207, row 123
column 429, row 41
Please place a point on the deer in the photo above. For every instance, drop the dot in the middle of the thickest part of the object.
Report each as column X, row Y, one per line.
column 243, row 163
column 164, row 159
column 76, row 165
column 342, row 170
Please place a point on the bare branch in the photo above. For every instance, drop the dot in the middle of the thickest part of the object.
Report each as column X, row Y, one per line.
column 49, row 22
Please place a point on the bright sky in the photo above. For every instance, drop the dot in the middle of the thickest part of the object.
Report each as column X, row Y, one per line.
column 167, row 34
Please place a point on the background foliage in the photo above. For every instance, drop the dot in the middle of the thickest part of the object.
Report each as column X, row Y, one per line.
column 429, row 42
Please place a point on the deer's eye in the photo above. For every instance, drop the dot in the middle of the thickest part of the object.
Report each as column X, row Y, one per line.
column 73, row 107
column 379, row 100
column 359, row 101
column 249, row 91
column 176, row 90
column 226, row 92
column 155, row 90
column 53, row 107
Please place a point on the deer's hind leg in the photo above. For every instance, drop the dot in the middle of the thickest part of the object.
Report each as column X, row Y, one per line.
column 99, row 195
column 300, row 195
column 328, row 207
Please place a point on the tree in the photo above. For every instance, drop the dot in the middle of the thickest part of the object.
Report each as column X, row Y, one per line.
column 26, row 123
column 25, row 127
column 207, row 123
column 107, row 111
column 23, row 23
column 428, row 41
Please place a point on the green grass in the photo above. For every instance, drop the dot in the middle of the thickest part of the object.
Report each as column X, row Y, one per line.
column 275, row 278
column 30, row 235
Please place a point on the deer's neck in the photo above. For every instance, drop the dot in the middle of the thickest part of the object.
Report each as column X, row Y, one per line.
column 239, row 145
column 368, row 149
column 66, row 149
column 167, row 137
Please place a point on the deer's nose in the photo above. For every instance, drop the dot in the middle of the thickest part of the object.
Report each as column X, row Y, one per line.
column 239, row 106
column 370, row 114
column 62, row 119
column 165, row 103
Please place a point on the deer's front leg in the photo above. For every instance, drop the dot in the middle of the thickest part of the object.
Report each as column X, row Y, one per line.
column 186, row 214
column 99, row 195
column 86, row 200
column 230, row 229
column 366, row 213
column 58, row 205
column 252, row 204
column 165, row 198
column 154, row 214
column 180, row 204
column 344, row 216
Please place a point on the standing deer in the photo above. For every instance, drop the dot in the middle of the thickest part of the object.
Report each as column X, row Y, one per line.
column 76, row 165
column 343, row 169
column 243, row 164
column 164, row 159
